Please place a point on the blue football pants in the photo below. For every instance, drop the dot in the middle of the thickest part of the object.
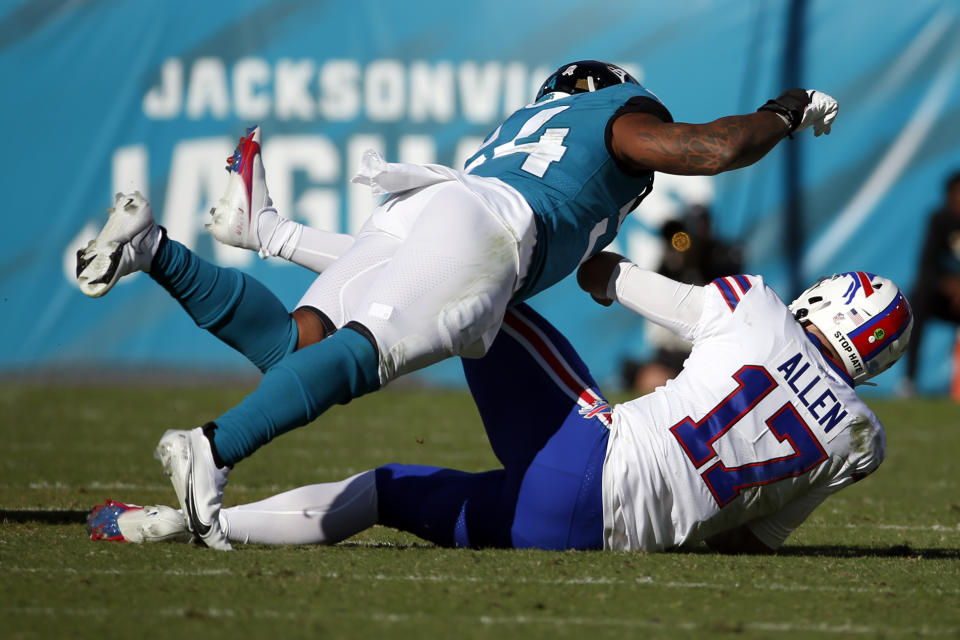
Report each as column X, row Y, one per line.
column 548, row 425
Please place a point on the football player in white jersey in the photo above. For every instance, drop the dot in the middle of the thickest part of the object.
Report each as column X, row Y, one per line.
column 762, row 424
column 546, row 190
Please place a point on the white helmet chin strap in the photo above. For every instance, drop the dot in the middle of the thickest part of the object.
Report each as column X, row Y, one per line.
column 848, row 354
column 839, row 341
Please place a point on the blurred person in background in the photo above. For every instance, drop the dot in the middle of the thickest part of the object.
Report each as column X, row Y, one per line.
column 692, row 255
column 936, row 292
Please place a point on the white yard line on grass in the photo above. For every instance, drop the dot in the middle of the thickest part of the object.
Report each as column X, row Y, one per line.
column 780, row 627
column 443, row 578
column 383, row 617
column 939, row 528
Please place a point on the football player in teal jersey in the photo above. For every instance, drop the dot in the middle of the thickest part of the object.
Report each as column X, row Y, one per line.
column 433, row 271
column 578, row 187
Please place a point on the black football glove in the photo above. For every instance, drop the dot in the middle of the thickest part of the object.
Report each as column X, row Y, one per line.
column 789, row 104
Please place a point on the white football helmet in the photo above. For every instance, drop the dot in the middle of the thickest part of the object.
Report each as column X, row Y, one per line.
column 865, row 317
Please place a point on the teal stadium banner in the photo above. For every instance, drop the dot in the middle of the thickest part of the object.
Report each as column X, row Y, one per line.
column 104, row 96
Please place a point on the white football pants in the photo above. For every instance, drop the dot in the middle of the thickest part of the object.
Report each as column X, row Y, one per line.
column 430, row 275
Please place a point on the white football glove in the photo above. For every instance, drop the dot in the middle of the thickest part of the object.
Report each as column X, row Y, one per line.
column 820, row 113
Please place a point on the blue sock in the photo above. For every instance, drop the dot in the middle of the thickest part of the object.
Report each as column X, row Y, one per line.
column 447, row 507
column 231, row 305
column 297, row 390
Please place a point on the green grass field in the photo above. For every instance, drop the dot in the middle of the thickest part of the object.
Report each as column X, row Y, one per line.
column 880, row 559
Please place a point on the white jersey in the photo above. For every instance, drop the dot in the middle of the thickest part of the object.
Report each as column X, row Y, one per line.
column 758, row 428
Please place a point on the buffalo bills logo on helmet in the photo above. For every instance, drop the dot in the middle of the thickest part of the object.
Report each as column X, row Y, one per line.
column 861, row 281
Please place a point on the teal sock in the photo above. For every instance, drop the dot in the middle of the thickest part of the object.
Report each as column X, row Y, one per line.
column 297, row 390
column 231, row 305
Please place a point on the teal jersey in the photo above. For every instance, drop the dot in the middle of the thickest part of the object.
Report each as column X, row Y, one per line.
column 555, row 153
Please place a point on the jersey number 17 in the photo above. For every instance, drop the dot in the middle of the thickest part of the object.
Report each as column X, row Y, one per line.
column 754, row 383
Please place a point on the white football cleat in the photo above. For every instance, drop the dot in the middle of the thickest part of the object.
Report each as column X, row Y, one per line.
column 236, row 214
column 118, row 522
column 188, row 460
column 157, row 523
column 127, row 243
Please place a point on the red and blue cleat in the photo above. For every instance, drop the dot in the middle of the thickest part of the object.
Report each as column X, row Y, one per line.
column 102, row 521
column 234, row 218
column 118, row 522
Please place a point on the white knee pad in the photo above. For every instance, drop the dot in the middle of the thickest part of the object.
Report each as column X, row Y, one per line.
column 412, row 340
